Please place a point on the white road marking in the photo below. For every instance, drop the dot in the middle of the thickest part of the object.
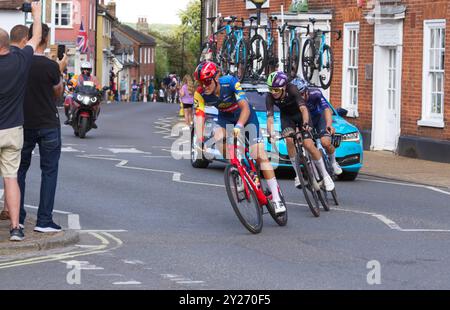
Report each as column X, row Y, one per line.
column 131, row 150
column 84, row 265
column 191, row 282
column 54, row 211
column 156, row 156
column 70, row 149
column 103, row 231
column 74, row 221
column 133, row 262
column 432, row 188
column 109, row 275
column 132, row 282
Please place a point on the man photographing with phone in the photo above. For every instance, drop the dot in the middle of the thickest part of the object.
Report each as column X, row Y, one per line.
column 14, row 70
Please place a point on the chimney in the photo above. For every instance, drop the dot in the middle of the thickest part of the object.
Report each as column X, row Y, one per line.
column 142, row 25
column 111, row 7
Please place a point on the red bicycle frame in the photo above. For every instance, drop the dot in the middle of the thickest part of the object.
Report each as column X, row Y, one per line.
column 232, row 149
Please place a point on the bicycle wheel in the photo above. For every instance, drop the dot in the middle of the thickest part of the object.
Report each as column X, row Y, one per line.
column 326, row 67
column 308, row 55
column 294, row 58
column 335, row 197
column 280, row 219
column 241, row 60
column 247, row 209
column 208, row 53
column 257, row 55
column 308, row 189
column 323, row 197
column 226, row 54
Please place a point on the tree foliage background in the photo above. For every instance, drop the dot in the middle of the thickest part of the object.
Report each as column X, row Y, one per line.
column 172, row 56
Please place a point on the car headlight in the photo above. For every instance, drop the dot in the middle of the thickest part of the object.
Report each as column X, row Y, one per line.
column 86, row 100
column 351, row 137
column 94, row 99
column 79, row 98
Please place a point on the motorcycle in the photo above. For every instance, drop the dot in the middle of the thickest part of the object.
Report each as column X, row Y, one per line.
column 86, row 107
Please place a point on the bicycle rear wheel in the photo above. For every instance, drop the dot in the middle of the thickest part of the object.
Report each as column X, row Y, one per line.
column 247, row 209
column 326, row 67
column 294, row 59
column 241, row 60
column 309, row 192
column 258, row 55
column 308, row 55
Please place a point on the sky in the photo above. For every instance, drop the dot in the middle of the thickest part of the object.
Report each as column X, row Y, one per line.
column 156, row 11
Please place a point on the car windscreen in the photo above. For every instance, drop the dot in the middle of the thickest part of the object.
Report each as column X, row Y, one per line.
column 257, row 100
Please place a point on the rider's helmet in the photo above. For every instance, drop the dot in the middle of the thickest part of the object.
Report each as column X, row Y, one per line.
column 277, row 79
column 301, row 84
column 86, row 68
column 206, row 72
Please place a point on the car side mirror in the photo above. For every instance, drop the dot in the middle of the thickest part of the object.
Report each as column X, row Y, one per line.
column 342, row 112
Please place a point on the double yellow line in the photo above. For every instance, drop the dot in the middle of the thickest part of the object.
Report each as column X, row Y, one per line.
column 102, row 248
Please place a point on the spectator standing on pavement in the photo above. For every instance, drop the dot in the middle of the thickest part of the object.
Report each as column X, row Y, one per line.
column 14, row 70
column 42, row 126
column 134, row 91
column 18, row 40
column 187, row 98
column 151, row 90
column 123, row 89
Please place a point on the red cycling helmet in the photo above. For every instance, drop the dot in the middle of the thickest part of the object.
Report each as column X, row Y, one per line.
column 206, row 72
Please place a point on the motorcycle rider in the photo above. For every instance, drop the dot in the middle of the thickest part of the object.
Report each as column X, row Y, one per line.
column 86, row 76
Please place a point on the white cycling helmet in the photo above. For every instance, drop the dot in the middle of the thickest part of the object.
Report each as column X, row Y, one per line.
column 86, row 65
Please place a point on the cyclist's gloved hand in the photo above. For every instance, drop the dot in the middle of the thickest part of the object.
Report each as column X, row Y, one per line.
column 306, row 127
column 331, row 130
column 237, row 130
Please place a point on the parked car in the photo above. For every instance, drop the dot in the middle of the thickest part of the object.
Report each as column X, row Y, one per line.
column 349, row 154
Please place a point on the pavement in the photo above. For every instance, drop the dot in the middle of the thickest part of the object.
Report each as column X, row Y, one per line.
column 151, row 221
column 390, row 166
column 34, row 242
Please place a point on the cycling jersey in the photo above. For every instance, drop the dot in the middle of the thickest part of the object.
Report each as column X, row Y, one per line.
column 231, row 94
column 290, row 104
column 316, row 102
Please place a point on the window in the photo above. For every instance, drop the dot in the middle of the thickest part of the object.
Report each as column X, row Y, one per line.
column 140, row 55
column 63, row 14
column 149, row 59
column 350, row 67
column 433, row 74
column 90, row 15
column 153, row 55
column 392, row 82
column 211, row 11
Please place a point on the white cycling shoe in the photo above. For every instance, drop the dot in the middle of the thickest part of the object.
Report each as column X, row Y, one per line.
column 337, row 169
column 279, row 207
column 298, row 184
column 329, row 184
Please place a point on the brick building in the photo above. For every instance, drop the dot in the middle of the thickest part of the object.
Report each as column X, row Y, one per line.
column 389, row 67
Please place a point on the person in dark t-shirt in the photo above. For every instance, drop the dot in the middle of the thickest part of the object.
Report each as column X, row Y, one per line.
column 42, row 127
column 14, row 68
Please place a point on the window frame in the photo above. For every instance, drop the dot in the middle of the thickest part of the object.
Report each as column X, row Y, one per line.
column 348, row 67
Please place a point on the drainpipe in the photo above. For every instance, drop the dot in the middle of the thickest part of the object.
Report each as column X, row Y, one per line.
column 96, row 41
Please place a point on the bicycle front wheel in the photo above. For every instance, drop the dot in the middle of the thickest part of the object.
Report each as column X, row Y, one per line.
column 310, row 193
column 241, row 60
column 326, row 67
column 308, row 55
column 246, row 208
column 280, row 219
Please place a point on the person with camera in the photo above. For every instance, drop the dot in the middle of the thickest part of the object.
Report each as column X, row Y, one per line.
column 42, row 127
column 14, row 69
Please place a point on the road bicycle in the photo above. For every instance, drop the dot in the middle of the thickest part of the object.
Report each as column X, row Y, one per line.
column 291, row 60
column 234, row 51
column 246, row 191
column 317, row 55
column 210, row 51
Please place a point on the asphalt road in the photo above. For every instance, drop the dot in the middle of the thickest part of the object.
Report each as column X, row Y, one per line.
column 149, row 221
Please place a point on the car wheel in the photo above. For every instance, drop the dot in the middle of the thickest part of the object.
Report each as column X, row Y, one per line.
column 348, row 176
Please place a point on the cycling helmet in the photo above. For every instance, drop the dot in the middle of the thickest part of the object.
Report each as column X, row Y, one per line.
column 206, row 71
column 301, row 84
column 277, row 79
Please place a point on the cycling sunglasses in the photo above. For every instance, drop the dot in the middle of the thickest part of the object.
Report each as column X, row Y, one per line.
column 276, row 90
column 207, row 82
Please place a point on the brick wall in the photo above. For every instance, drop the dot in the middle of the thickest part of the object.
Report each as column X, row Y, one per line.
column 347, row 11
